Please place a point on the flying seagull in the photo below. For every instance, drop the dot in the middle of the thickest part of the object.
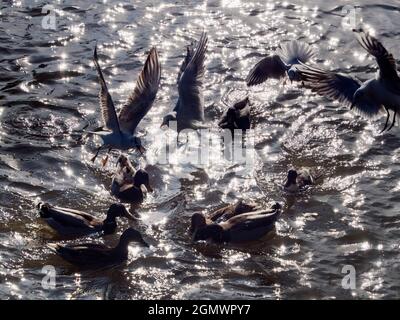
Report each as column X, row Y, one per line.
column 119, row 133
column 189, row 109
column 281, row 64
column 369, row 98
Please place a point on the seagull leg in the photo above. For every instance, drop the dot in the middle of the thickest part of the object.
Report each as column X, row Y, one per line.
column 387, row 119
column 97, row 153
column 105, row 160
column 394, row 121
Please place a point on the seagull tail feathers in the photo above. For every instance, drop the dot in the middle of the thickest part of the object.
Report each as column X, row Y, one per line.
column 295, row 51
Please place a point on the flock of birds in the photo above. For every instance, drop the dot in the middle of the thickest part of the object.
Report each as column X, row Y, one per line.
column 238, row 222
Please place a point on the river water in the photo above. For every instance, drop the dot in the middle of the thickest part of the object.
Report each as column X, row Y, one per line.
column 49, row 93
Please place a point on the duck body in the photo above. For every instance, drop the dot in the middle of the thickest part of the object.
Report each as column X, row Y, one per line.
column 130, row 194
column 299, row 180
column 89, row 254
column 244, row 227
column 66, row 221
column 220, row 215
column 236, row 116
column 130, row 185
column 92, row 255
column 230, row 211
column 249, row 226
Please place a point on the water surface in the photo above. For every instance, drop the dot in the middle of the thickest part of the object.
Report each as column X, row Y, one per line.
column 49, row 93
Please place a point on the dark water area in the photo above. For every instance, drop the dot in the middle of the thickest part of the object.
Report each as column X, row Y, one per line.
column 49, row 94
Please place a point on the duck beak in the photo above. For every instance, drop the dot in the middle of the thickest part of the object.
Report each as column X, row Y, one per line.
column 128, row 215
column 149, row 188
column 144, row 243
column 223, row 125
column 143, row 188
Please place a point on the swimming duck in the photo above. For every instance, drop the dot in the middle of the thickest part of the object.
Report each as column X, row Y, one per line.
column 124, row 174
column 244, row 227
column 283, row 63
column 231, row 210
column 298, row 181
column 73, row 222
column 96, row 255
column 189, row 110
column 223, row 213
column 132, row 189
column 236, row 116
column 118, row 132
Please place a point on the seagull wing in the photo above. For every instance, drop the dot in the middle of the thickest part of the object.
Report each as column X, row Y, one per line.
column 144, row 94
column 385, row 60
column 185, row 62
column 269, row 67
column 191, row 100
column 336, row 86
column 108, row 113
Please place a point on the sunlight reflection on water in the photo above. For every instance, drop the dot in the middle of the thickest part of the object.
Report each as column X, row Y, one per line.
column 50, row 84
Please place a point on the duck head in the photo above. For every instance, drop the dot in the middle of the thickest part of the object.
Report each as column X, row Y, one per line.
column 276, row 206
column 125, row 168
column 292, row 176
column 142, row 179
column 228, row 120
column 198, row 221
column 131, row 235
column 118, row 210
column 43, row 208
column 169, row 117
column 241, row 104
column 291, row 179
column 213, row 231
column 122, row 161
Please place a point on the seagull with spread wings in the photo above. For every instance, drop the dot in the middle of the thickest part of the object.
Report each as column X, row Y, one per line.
column 281, row 64
column 381, row 93
column 118, row 131
column 189, row 110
